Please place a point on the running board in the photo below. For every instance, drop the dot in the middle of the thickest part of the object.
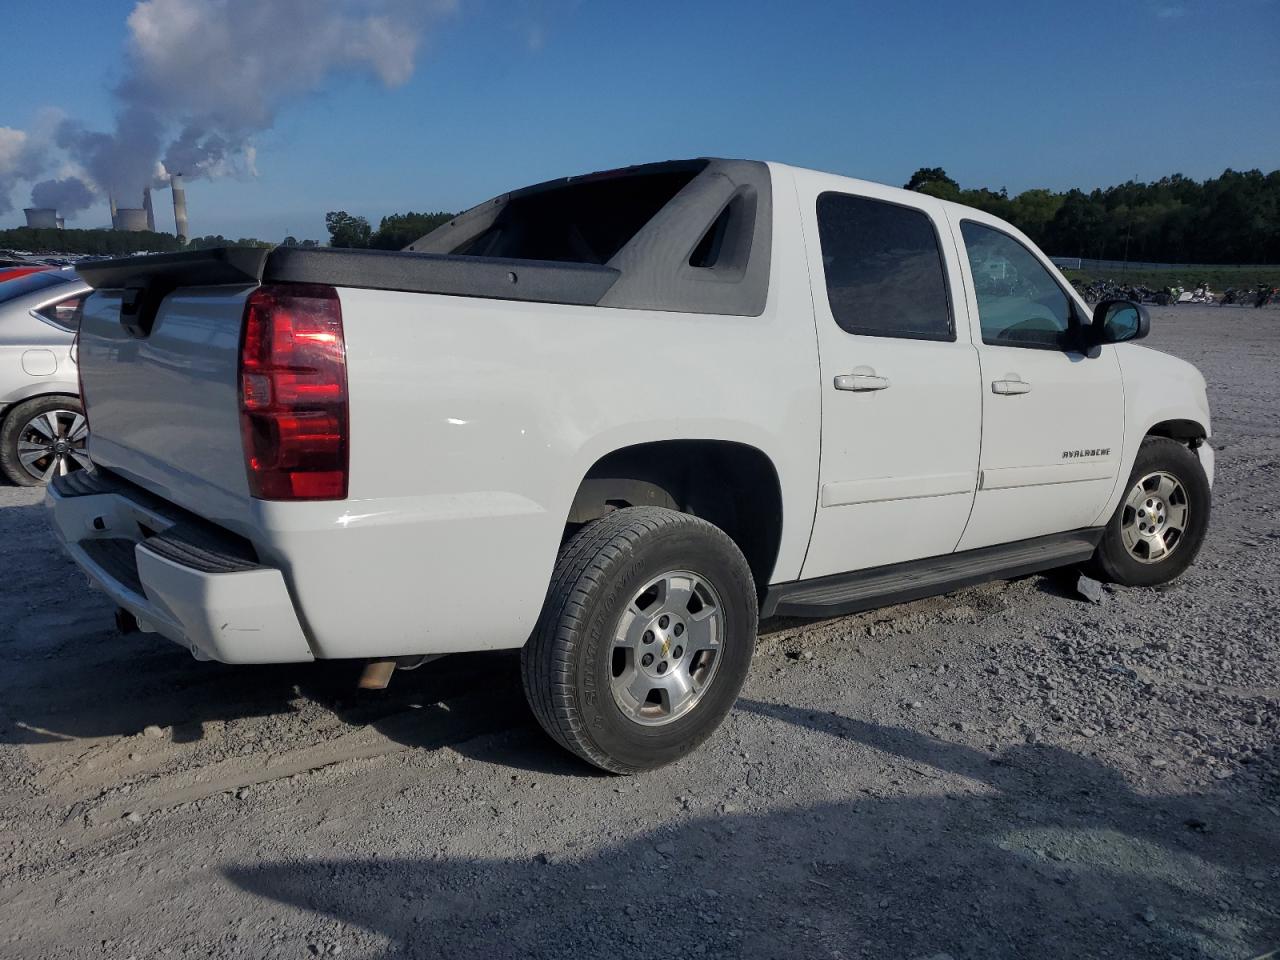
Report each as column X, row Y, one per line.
column 899, row 582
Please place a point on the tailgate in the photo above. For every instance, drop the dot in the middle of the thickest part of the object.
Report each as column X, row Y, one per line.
column 159, row 360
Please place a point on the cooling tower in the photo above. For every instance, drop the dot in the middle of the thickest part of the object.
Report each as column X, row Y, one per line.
column 42, row 218
column 130, row 218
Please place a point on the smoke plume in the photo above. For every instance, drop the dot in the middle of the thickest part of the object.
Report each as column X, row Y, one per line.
column 20, row 159
column 203, row 77
column 68, row 195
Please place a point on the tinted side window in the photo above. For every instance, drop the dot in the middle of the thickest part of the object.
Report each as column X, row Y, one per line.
column 883, row 268
column 1019, row 304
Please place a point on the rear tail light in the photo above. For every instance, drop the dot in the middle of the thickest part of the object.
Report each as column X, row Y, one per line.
column 293, row 393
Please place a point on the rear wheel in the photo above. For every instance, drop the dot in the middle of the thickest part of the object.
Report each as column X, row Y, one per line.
column 42, row 439
column 1162, row 518
column 645, row 639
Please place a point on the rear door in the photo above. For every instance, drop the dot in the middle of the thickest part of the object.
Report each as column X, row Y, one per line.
column 1052, row 413
column 900, row 408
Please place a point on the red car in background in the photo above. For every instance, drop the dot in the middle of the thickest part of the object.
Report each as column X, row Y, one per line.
column 9, row 273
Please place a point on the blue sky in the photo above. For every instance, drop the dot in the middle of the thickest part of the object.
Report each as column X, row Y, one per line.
column 1000, row 93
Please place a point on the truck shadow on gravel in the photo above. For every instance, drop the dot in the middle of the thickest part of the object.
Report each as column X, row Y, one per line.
column 1033, row 852
column 84, row 683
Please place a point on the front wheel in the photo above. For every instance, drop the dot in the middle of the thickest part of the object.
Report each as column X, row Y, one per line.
column 644, row 641
column 1162, row 519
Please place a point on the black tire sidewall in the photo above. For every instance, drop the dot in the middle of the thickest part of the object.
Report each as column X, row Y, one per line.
column 1172, row 457
column 710, row 555
column 18, row 417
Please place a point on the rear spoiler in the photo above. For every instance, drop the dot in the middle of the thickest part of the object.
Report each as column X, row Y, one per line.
column 146, row 281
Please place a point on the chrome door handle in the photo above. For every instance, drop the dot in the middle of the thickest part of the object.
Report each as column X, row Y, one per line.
column 861, row 382
column 1010, row 387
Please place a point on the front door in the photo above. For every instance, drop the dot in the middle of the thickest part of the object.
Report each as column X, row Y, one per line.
column 1052, row 412
column 900, row 381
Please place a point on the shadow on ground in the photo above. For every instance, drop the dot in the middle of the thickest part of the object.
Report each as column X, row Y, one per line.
column 1044, row 853
column 84, row 682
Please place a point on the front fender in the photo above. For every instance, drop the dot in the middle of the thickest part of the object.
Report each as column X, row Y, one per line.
column 1162, row 395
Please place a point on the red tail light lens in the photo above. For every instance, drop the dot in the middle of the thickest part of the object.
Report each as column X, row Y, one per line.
column 293, row 393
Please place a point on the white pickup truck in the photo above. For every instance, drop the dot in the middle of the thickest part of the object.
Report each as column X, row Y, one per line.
column 612, row 420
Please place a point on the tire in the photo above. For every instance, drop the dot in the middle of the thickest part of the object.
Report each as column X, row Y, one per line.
column 597, row 598
column 59, row 417
column 1114, row 559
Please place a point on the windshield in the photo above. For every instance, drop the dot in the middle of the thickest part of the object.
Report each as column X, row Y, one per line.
column 18, row 286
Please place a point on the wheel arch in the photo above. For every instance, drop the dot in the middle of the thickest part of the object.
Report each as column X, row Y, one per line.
column 1189, row 431
column 18, row 398
column 35, row 391
column 733, row 485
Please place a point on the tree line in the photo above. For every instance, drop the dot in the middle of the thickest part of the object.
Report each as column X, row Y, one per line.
column 1234, row 218
column 394, row 232
column 112, row 243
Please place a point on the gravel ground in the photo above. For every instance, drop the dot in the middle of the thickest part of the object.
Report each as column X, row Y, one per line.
column 1007, row 771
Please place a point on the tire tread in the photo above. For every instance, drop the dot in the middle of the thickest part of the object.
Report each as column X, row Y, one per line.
column 583, row 567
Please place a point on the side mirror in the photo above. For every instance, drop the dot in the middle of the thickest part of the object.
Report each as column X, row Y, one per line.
column 1115, row 321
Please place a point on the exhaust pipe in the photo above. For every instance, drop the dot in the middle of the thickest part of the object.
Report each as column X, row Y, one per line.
column 377, row 673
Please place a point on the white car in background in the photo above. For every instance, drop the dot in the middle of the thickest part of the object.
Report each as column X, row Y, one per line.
column 43, row 432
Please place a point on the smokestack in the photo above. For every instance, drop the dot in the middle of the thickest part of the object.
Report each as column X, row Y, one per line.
column 179, row 207
column 41, row 218
column 62, row 223
column 146, row 205
column 112, row 198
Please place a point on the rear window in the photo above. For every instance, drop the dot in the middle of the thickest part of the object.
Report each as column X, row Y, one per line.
column 582, row 221
column 64, row 313
column 20, row 286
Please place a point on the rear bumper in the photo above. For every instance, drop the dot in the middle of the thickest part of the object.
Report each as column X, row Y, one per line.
column 180, row 579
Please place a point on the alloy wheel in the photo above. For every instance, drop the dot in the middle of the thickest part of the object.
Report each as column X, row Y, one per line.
column 1155, row 517
column 53, row 444
column 666, row 648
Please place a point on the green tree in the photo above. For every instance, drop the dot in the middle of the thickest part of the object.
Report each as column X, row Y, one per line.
column 346, row 230
column 398, row 230
column 934, row 176
column 1034, row 210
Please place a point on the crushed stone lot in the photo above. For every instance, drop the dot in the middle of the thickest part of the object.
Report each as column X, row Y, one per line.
column 1007, row 771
